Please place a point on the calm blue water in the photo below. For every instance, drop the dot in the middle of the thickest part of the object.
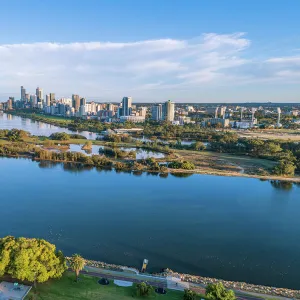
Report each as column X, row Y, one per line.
column 231, row 228
column 140, row 153
column 8, row 121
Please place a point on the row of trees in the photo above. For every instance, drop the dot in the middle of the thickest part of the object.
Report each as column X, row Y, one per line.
column 36, row 260
column 215, row 291
column 184, row 164
column 101, row 161
column 62, row 136
column 117, row 153
column 287, row 153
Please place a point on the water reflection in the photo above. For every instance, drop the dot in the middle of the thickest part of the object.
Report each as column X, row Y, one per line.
column 181, row 174
column 48, row 164
column 282, row 185
column 78, row 148
column 137, row 173
column 144, row 153
column 8, row 121
column 78, row 167
column 163, row 175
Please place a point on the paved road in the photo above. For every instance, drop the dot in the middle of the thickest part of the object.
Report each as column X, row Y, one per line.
column 157, row 281
column 126, row 276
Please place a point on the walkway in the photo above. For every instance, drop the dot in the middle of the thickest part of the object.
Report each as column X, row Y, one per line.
column 169, row 282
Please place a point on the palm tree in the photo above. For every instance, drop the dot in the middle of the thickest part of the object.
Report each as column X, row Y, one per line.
column 77, row 263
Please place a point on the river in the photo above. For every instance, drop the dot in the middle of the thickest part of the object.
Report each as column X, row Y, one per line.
column 225, row 227
column 8, row 121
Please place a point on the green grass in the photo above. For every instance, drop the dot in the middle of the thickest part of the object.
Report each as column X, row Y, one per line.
column 88, row 288
column 68, row 120
column 3, row 141
column 236, row 159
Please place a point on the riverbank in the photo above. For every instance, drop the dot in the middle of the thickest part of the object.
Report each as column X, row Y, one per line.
column 205, row 162
column 235, row 285
column 74, row 124
column 163, row 173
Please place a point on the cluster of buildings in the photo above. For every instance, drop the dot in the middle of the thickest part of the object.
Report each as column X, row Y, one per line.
column 78, row 107
column 222, row 117
column 235, row 116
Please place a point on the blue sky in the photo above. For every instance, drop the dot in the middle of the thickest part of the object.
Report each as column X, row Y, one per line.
column 188, row 51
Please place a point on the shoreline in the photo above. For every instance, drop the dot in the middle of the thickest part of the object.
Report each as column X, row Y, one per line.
column 170, row 171
column 197, row 279
column 213, row 172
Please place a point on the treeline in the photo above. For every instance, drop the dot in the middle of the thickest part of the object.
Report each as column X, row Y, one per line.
column 125, row 138
column 166, row 130
column 14, row 135
column 99, row 161
column 287, row 153
column 186, row 165
column 117, row 153
column 35, row 152
column 62, row 136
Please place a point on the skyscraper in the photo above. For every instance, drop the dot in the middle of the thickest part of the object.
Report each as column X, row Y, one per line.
column 48, row 102
column 82, row 101
column 39, row 94
column 52, row 98
column 156, row 112
column 33, row 100
column 168, row 111
column 76, row 102
column 126, row 106
column 23, row 93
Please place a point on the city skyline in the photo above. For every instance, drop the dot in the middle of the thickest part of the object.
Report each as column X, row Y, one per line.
column 198, row 53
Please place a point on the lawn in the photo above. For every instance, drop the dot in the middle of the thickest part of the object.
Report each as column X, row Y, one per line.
column 88, row 288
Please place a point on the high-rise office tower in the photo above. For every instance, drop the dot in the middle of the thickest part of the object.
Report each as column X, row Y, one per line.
column 48, row 102
column 156, row 112
column 9, row 103
column 33, row 100
column 23, row 93
column 82, row 101
column 126, row 106
column 39, row 94
column 76, row 102
column 52, row 98
column 168, row 111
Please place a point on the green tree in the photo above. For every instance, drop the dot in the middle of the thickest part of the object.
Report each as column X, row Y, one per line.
column 35, row 260
column 217, row 291
column 198, row 146
column 272, row 148
column 77, row 263
column 15, row 135
column 284, row 168
column 143, row 289
column 189, row 295
column 87, row 145
column 61, row 136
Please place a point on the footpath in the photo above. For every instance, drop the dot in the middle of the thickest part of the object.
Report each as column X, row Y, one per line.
column 169, row 282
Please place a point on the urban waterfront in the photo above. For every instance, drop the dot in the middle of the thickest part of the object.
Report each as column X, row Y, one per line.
column 231, row 228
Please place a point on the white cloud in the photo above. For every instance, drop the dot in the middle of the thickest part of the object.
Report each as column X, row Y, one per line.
column 285, row 60
column 160, row 67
